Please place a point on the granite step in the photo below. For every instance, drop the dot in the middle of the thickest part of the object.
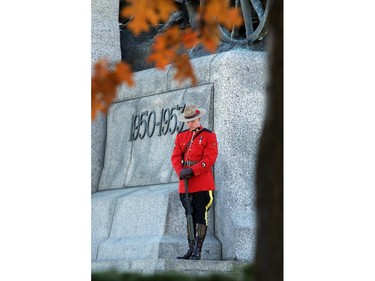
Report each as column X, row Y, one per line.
column 191, row 267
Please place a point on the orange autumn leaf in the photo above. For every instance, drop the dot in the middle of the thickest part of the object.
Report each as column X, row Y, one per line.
column 165, row 47
column 103, row 91
column 216, row 12
column 165, row 40
column 173, row 35
column 210, row 37
column 141, row 13
column 189, row 39
column 144, row 13
column 124, row 73
column 96, row 104
column 233, row 18
column 160, row 59
column 210, row 43
column 165, row 8
column 104, row 84
column 221, row 12
column 184, row 69
column 101, row 69
column 108, row 88
column 213, row 8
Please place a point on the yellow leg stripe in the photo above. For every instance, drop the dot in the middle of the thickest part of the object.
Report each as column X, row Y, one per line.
column 208, row 206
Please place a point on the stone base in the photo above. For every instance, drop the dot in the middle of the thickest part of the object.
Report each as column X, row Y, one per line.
column 142, row 224
column 231, row 86
column 167, row 246
column 190, row 267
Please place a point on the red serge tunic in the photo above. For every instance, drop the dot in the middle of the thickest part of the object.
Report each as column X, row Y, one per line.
column 203, row 150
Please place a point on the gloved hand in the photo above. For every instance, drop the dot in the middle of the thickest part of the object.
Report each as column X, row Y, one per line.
column 186, row 173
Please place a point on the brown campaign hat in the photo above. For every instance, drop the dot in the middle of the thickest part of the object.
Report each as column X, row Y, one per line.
column 191, row 113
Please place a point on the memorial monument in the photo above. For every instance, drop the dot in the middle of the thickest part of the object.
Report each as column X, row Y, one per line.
column 138, row 222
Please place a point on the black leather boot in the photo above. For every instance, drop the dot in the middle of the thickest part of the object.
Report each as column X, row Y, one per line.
column 200, row 235
column 191, row 246
column 189, row 252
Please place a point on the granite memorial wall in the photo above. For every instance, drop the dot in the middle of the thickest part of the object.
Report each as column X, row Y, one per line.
column 141, row 133
column 136, row 212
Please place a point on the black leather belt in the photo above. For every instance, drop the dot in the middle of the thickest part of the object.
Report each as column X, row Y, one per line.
column 189, row 163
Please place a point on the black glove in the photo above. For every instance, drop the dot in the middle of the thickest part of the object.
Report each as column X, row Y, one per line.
column 186, row 173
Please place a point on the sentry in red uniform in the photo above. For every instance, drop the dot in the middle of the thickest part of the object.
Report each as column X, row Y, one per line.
column 200, row 156
column 193, row 156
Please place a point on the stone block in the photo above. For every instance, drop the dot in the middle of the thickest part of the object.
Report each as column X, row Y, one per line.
column 98, row 138
column 105, row 44
column 129, row 248
column 145, row 161
column 143, row 223
column 117, row 150
column 141, row 212
column 156, row 81
column 239, row 105
column 201, row 67
column 105, row 33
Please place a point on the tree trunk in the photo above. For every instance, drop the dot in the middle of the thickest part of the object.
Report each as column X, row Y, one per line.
column 269, row 247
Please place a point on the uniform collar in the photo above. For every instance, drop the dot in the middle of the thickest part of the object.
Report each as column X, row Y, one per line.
column 197, row 129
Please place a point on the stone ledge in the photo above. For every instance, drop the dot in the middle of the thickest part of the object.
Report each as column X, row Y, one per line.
column 151, row 247
column 143, row 223
column 150, row 266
